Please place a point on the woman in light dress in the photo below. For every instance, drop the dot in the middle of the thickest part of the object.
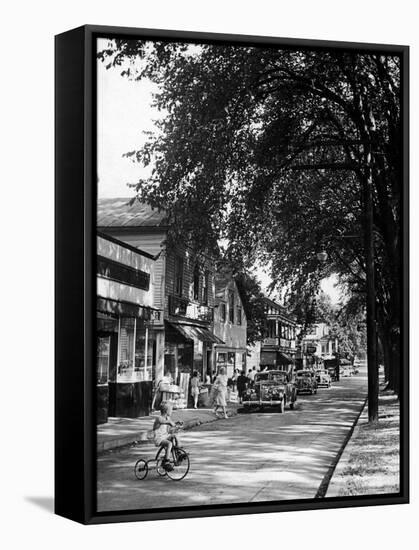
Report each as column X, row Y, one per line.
column 195, row 388
column 220, row 392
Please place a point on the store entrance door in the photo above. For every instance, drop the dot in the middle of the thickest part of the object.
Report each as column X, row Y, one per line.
column 209, row 364
column 102, row 378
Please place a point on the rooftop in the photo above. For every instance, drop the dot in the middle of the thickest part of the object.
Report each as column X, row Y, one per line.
column 117, row 212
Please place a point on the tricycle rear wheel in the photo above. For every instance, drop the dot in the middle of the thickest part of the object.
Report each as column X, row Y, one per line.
column 141, row 469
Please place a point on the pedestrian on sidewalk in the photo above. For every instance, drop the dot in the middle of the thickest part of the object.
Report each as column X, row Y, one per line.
column 242, row 381
column 220, row 392
column 195, row 385
column 234, row 379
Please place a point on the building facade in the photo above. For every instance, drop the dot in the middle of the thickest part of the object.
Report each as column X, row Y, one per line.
column 126, row 341
column 230, row 325
column 184, row 290
column 278, row 348
column 318, row 343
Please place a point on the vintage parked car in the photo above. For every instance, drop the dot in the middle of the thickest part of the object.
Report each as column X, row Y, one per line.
column 323, row 378
column 273, row 388
column 306, row 381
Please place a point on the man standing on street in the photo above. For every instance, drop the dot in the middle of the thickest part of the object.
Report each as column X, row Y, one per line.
column 241, row 384
column 251, row 375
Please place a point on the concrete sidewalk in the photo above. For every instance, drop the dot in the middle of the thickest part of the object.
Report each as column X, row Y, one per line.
column 119, row 432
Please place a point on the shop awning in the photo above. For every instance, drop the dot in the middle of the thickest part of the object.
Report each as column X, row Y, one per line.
column 122, row 309
column 193, row 332
column 284, row 359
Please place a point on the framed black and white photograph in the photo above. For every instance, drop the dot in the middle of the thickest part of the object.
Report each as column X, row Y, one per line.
column 231, row 274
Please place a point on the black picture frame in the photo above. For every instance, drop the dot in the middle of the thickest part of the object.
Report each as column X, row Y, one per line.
column 75, row 245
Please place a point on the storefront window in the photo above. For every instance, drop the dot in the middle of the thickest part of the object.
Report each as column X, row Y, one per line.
column 126, row 349
column 102, row 360
column 221, row 360
column 143, row 361
column 133, row 365
column 231, row 363
column 185, row 357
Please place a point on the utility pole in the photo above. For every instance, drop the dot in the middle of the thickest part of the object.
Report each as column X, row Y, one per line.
column 371, row 308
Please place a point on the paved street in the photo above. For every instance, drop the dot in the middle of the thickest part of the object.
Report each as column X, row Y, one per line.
column 254, row 457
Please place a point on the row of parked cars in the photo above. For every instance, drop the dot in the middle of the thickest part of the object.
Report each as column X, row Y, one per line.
column 278, row 388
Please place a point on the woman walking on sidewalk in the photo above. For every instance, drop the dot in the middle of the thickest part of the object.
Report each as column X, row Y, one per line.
column 195, row 388
column 220, row 392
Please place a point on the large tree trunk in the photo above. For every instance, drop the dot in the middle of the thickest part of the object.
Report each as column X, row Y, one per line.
column 395, row 361
column 385, row 348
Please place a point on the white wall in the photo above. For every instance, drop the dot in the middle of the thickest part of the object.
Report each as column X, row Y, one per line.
column 27, row 204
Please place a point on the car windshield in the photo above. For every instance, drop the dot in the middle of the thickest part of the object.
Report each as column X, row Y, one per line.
column 306, row 374
column 271, row 376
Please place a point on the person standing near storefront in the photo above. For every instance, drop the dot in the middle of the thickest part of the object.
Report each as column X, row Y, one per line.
column 195, row 388
column 220, row 392
column 234, row 379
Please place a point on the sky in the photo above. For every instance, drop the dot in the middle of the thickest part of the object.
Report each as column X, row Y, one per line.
column 124, row 113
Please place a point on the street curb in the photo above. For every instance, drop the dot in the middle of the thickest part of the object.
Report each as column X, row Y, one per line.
column 344, row 459
column 145, row 436
column 324, row 485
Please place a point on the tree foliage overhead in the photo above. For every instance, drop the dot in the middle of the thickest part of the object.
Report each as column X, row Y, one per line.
column 346, row 321
column 271, row 149
column 254, row 306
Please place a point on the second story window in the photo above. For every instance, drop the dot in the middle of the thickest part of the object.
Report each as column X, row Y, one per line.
column 239, row 315
column 178, row 276
column 223, row 312
column 205, row 284
column 231, row 306
column 271, row 329
column 196, row 283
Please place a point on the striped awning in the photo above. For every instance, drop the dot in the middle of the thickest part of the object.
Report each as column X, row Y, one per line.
column 194, row 332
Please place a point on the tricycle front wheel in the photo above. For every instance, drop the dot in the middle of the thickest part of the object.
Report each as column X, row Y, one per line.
column 181, row 464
